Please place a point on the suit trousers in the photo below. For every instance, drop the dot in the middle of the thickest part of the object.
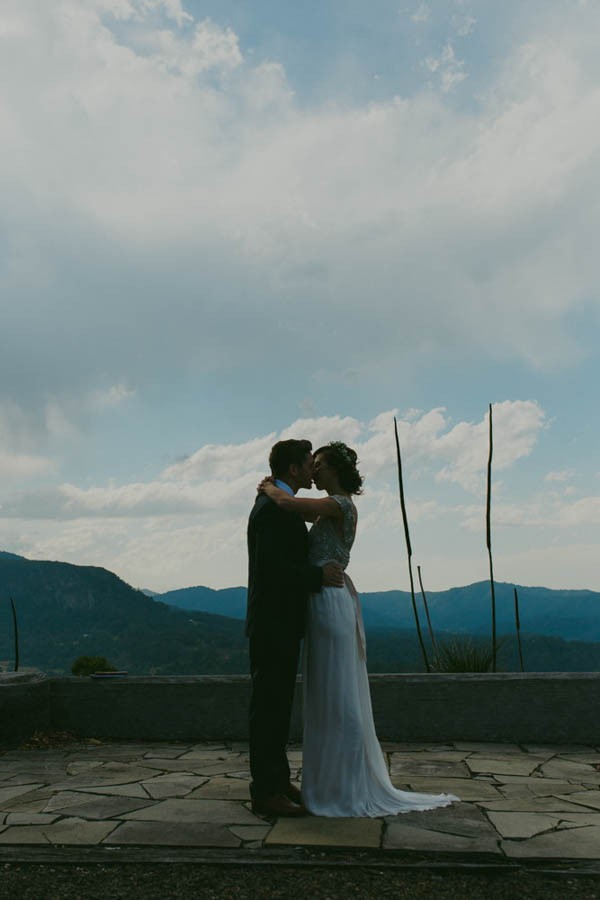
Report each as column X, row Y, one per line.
column 273, row 668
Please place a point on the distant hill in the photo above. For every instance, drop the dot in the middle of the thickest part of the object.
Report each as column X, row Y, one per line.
column 65, row 611
column 225, row 602
column 570, row 614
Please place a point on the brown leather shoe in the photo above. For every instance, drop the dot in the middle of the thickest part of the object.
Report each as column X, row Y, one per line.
column 277, row 805
column 293, row 794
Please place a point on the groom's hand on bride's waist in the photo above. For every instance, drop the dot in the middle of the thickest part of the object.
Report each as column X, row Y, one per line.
column 333, row 575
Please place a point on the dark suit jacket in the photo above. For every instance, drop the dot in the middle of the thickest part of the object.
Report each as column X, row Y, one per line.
column 279, row 575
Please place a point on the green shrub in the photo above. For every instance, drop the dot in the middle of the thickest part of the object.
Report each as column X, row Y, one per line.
column 87, row 665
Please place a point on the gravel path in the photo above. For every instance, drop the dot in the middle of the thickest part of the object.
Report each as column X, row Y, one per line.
column 179, row 881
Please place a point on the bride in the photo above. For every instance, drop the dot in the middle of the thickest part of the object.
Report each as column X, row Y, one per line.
column 343, row 770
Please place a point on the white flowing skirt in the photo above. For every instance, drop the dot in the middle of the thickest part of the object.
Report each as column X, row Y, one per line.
column 343, row 769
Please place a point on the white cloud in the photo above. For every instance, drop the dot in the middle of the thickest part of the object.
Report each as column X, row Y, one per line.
column 448, row 67
column 188, row 525
column 585, row 511
column 421, row 14
column 560, row 475
column 111, row 397
column 22, row 465
column 138, row 9
column 464, row 25
column 223, row 477
column 222, row 461
column 144, row 190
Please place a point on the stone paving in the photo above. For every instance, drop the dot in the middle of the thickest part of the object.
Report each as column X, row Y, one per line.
column 526, row 802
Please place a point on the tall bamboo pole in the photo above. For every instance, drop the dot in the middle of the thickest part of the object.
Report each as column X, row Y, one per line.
column 409, row 548
column 488, row 531
column 426, row 605
column 16, row 630
column 518, row 627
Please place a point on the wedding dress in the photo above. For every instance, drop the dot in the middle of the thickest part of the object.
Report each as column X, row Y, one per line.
column 343, row 769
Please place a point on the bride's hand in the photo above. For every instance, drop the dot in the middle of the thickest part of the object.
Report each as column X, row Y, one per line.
column 266, row 481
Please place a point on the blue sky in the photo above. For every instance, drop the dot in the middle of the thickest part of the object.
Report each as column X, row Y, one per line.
column 227, row 222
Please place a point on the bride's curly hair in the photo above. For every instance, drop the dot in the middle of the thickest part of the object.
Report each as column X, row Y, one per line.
column 343, row 460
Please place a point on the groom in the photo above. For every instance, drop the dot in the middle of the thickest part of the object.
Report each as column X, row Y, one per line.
column 279, row 582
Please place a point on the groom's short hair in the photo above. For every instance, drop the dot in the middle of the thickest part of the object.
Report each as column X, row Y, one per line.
column 287, row 453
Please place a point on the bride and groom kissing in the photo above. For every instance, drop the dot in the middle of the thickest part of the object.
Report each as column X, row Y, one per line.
column 299, row 591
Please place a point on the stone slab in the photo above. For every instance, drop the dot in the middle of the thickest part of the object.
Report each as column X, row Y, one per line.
column 400, row 836
column 105, row 807
column 570, row 843
column 65, row 831
column 16, row 790
column 28, row 818
column 209, row 756
column 24, row 778
column 217, row 812
column 426, row 768
column 542, row 787
column 251, row 832
column 464, row 788
column 459, row 819
column 83, row 765
column 590, row 799
column 515, row 765
column 223, row 768
column 568, row 770
column 590, row 758
column 190, row 766
column 412, row 746
column 166, row 752
column 117, row 790
column 17, row 803
column 173, row 834
column 487, row 748
column 217, row 745
column 67, row 799
column 108, row 773
column 557, row 749
column 221, row 788
column 312, row 831
column 172, row 785
column 430, row 756
column 523, row 824
column 575, row 820
column 78, row 831
column 36, row 806
column 530, row 804
column 23, row 834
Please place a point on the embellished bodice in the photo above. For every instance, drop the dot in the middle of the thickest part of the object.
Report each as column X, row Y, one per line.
column 331, row 539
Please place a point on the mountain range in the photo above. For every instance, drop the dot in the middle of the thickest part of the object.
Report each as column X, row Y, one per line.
column 570, row 614
column 65, row 611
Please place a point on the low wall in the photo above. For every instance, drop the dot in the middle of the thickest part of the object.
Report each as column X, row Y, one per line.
column 24, row 705
column 520, row 708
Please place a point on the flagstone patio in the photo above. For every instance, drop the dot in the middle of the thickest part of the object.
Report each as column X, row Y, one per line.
column 529, row 802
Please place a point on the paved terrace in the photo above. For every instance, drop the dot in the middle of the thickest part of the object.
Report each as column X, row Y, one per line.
column 519, row 803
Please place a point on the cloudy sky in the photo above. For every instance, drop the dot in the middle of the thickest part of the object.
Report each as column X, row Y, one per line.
column 223, row 223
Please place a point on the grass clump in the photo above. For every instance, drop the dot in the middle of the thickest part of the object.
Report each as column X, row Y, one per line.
column 465, row 655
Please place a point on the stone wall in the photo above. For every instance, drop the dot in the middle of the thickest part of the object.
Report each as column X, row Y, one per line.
column 519, row 708
column 24, row 705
